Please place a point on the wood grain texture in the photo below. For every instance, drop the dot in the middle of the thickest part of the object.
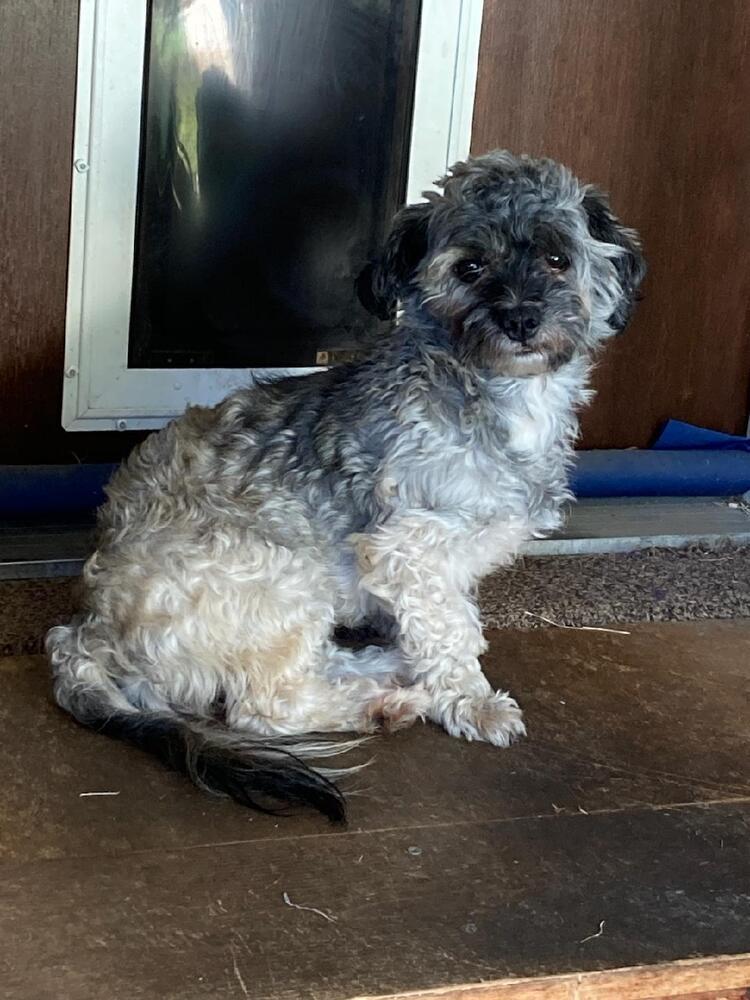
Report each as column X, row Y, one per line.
column 723, row 978
column 646, row 97
column 38, row 81
column 600, row 709
column 649, row 99
column 480, row 902
column 462, row 866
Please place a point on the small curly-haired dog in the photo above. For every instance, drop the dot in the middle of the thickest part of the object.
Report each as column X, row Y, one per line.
column 237, row 539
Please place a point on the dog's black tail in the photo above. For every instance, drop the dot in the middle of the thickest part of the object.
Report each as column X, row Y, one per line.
column 264, row 775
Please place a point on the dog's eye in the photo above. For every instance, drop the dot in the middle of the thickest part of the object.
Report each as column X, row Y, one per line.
column 468, row 270
column 557, row 261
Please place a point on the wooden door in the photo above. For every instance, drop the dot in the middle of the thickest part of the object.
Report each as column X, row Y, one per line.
column 649, row 99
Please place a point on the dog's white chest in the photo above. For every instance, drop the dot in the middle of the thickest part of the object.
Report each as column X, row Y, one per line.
column 528, row 434
column 538, row 418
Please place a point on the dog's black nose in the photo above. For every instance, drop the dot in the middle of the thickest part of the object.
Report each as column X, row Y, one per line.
column 520, row 323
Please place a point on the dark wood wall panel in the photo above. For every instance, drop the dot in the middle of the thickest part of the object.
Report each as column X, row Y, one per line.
column 647, row 97
column 650, row 99
column 37, row 81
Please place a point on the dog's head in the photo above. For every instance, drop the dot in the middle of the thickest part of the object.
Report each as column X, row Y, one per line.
column 523, row 267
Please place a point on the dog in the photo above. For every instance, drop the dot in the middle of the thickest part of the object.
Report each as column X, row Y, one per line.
column 235, row 541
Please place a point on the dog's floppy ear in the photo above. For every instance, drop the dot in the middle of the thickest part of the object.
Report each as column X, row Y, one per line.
column 385, row 281
column 630, row 264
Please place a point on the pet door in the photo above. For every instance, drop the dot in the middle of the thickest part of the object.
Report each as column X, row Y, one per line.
column 237, row 162
column 274, row 150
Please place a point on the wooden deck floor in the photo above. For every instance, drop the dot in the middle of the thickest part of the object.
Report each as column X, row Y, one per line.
column 617, row 835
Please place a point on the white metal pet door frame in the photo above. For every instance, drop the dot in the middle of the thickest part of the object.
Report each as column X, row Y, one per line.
column 100, row 391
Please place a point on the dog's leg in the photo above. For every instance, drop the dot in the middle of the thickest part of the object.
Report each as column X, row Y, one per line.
column 346, row 691
column 415, row 576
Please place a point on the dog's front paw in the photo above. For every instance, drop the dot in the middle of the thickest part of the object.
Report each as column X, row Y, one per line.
column 495, row 719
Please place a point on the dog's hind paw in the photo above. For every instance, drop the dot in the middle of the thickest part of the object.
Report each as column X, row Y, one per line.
column 400, row 708
column 496, row 719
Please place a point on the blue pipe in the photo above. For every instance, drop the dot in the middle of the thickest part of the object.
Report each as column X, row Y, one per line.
column 36, row 491
column 646, row 473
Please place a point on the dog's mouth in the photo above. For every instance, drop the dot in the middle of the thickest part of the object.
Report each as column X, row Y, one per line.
column 548, row 340
column 489, row 344
column 525, row 361
column 551, row 348
column 546, row 350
